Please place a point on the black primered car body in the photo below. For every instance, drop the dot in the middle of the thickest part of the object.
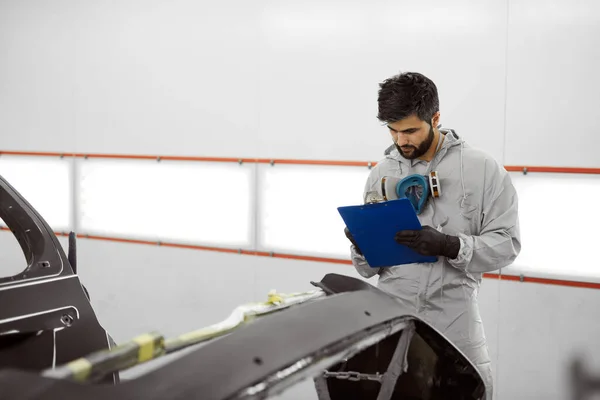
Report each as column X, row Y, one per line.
column 46, row 317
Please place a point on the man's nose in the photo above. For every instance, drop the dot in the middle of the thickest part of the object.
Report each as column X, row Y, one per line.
column 401, row 140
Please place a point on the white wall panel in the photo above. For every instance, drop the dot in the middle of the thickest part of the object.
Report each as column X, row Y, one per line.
column 190, row 202
column 245, row 79
column 46, row 183
column 167, row 77
column 322, row 61
column 558, row 225
column 553, row 84
column 177, row 77
column 36, row 75
column 298, row 208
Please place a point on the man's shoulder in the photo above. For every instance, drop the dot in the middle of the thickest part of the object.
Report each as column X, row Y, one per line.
column 384, row 166
column 479, row 156
column 385, row 162
column 481, row 166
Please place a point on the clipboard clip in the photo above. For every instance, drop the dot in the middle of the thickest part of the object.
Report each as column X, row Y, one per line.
column 374, row 197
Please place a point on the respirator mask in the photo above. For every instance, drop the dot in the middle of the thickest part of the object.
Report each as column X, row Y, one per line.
column 416, row 188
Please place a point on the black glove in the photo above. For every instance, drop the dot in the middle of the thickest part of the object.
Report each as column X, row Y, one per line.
column 351, row 238
column 430, row 242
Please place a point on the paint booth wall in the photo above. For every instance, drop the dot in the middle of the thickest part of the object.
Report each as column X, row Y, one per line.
column 299, row 81
column 288, row 79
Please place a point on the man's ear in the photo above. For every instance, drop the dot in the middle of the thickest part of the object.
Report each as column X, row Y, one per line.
column 435, row 121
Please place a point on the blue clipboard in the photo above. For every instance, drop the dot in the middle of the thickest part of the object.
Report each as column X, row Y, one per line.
column 374, row 226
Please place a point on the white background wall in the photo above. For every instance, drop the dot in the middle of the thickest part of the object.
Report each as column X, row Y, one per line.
column 282, row 79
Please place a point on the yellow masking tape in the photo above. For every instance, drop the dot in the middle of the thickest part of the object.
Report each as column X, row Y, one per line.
column 275, row 298
column 197, row 334
column 81, row 369
column 146, row 350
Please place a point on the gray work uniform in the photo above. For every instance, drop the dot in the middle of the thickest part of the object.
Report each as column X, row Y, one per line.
column 479, row 204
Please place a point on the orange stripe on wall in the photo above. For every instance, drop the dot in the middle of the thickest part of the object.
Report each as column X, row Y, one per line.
column 35, row 154
column 546, row 281
column 340, row 163
column 558, row 170
column 218, row 249
column 525, row 279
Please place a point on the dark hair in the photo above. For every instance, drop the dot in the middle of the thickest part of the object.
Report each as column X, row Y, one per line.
column 406, row 94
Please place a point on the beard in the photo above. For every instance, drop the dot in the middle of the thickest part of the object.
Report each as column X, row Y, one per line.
column 411, row 152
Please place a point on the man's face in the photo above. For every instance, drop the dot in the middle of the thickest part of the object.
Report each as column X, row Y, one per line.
column 411, row 136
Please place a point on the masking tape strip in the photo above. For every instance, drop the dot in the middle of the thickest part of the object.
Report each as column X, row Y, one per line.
column 152, row 345
column 146, row 343
column 81, row 369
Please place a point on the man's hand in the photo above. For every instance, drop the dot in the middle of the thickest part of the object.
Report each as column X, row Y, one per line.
column 351, row 238
column 430, row 242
